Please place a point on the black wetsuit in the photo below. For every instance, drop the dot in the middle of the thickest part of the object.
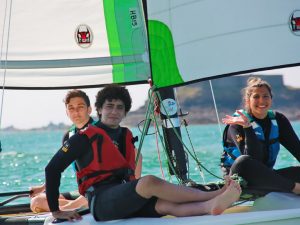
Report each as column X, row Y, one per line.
column 72, row 195
column 111, row 200
column 251, row 165
column 66, row 135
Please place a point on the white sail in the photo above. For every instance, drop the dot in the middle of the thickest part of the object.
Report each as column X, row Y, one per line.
column 203, row 39
column 63, row 43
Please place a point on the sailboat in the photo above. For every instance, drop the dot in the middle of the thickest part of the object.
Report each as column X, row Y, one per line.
column 63, row 44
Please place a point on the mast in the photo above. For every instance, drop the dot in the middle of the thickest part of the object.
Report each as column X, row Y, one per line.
column 171, row 126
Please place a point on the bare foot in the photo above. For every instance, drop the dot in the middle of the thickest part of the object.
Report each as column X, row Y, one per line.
column 224, row 200
column 227, row 181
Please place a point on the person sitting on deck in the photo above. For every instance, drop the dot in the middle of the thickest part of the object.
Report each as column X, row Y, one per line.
column 78, row 109
column 252, row 141
column 105, row 158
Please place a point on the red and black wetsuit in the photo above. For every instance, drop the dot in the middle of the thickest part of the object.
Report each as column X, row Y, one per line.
column 73, row 130
column 108, row 198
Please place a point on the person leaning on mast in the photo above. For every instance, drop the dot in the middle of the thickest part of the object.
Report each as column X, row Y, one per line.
column 108, row 177
column 78, row 109
column 252, row 142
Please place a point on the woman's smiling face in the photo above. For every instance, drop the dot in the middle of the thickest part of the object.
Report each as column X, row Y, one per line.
column 259, row 102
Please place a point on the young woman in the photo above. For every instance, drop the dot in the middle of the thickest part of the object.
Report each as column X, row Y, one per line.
column 253, row 139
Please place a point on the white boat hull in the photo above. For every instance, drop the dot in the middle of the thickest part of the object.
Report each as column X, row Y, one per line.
column 274, row 208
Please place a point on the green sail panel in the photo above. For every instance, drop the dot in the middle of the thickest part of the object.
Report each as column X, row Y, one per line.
column 164, row 67
column 127, row 38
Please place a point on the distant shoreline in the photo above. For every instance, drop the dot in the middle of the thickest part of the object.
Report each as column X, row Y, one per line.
column 196, row 100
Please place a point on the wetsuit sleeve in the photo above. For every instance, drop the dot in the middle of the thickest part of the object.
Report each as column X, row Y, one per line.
column 70, row 151
column 246, row 141
column 65, row 137
column 287, row 136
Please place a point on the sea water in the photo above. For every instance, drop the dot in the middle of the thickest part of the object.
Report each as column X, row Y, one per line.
column 26, row 153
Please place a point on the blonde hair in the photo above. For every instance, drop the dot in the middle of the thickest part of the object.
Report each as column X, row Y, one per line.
column 252, row 83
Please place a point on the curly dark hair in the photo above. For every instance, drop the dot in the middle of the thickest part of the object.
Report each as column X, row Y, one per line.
column 111, row 92
column 77, row 93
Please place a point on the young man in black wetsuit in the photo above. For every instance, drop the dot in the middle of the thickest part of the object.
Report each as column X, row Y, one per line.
column 78, row 109
column 108, row 177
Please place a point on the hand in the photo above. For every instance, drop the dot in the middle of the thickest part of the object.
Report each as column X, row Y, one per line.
column 241, row 120
column 67, row 215
column 36, row 190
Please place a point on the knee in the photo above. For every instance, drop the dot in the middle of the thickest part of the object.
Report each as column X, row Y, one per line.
column 149, row 181
column 165, row 208
column 146, row 185
column 241, row 164
column 39, row 204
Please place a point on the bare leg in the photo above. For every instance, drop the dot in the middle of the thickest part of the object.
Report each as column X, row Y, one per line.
column 149, row 186
column 296, row 189
column 213, row 206
column 39, row 203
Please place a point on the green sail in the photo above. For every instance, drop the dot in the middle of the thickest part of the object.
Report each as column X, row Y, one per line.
column 164, row 67
column 127, row 38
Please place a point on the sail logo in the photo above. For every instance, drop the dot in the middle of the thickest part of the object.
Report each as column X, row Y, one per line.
column 168, row 107
column 133, row 13
column 84, row 36
column 295, row 22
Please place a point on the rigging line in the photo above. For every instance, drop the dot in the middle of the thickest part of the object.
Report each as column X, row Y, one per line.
column 216, row 108
column 4, row 22
column 189, row 138
column 169, row 159
column 148, row 113
column 181, row 141
column 5, row 64
column 158, row 152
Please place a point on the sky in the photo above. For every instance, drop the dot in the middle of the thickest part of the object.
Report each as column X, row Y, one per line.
column 25, row 109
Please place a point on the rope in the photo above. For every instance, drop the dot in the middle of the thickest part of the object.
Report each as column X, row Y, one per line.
column 146, row 124
column 158, row 154
column 6, row 54
column 151, row 115
column 216, row 109
column 184, row 145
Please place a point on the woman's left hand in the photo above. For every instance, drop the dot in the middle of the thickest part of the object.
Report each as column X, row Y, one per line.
column 241, row 120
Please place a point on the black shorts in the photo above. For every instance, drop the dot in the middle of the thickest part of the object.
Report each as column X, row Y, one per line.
column 118, row 201
column 72, row 195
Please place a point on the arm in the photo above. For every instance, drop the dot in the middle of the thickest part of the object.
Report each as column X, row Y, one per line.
column 246, row 141
column 37, row 190
column 287, row 136
column 243, row 136
column 79, row 202
column 61, row 160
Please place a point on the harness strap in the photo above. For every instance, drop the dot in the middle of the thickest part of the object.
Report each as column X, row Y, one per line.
column 118, row 174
